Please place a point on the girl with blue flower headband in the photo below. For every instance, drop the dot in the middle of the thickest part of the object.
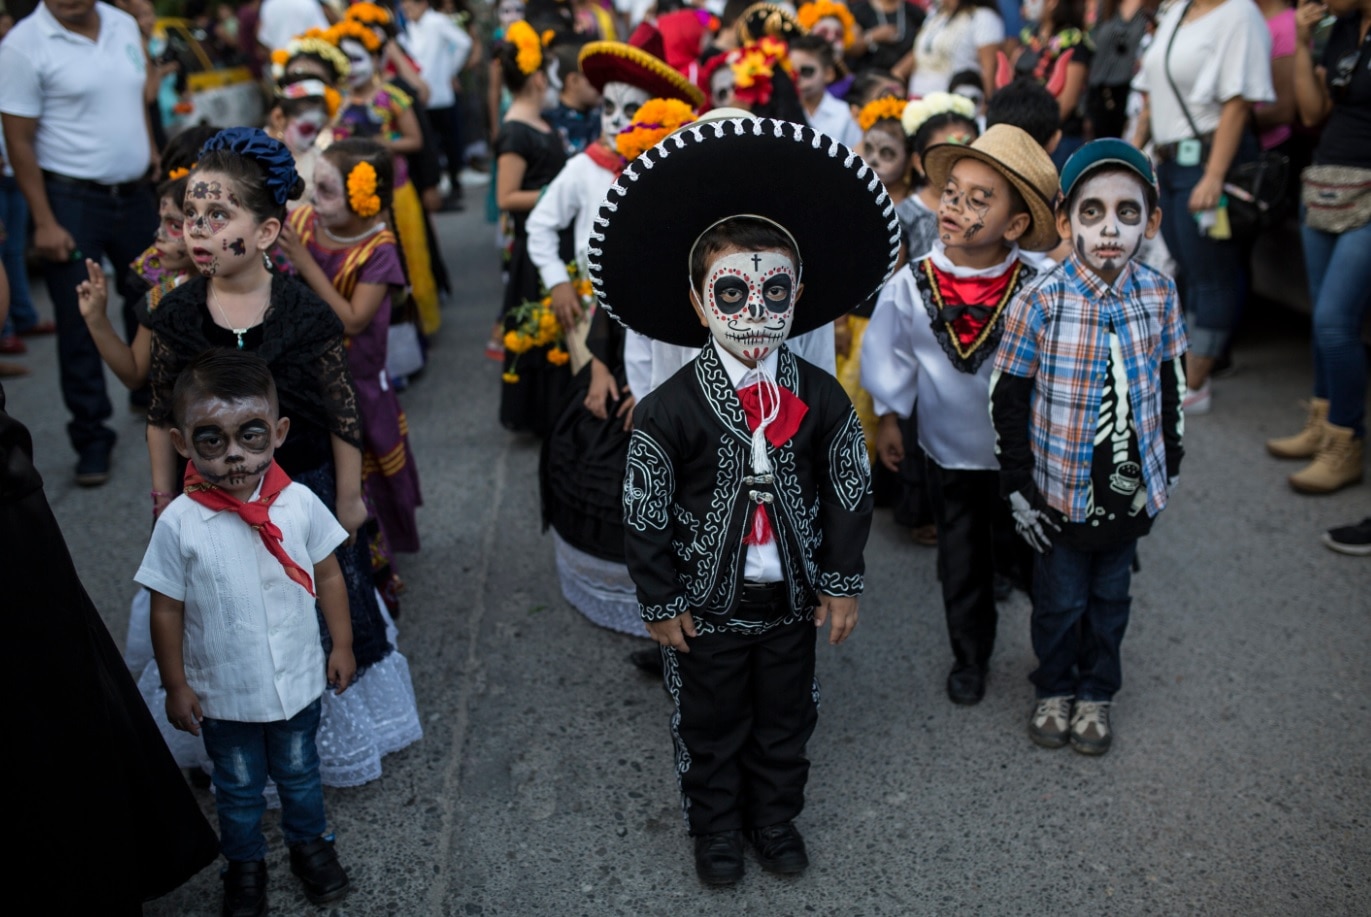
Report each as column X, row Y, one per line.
column 235, row 205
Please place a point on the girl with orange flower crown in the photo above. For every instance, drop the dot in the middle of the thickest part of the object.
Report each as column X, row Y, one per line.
column 379, row 110
column 345, row 252
column 529, row 154
column 644, row 100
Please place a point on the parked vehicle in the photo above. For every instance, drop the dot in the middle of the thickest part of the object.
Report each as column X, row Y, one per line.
column 208, row 87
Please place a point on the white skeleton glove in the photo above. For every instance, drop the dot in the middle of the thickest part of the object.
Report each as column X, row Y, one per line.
column 1032, row 524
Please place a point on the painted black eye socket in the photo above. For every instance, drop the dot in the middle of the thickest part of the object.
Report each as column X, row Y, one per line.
column 730, row 294
column 209, row 445
column 777, row 293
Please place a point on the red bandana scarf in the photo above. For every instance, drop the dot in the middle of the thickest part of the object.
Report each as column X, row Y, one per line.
column 792, row 410
column 606, row 158
column 970, row 303
column 254, row 514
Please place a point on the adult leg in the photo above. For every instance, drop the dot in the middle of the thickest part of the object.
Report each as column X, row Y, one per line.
column 239, row 753
column 964, row 510
column 1105, row 621
column 81, row 371
column 1339, row 312
column 1318, row 252
column 1061, row 596
column 711, row 688
column 785, row 703
column 293, row 762
column 127, row 237
column 14, row 216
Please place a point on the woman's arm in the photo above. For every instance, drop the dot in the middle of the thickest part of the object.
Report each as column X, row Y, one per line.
column 1232, row 123
column 1312, row 99
column 1282, row 111
column 1070, row 98
column 1142, row 133
column 509, row 177
column 985, row 55
column 411, row 139
column 406, row 71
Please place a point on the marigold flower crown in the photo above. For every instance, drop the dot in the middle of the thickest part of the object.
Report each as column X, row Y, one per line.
column 888, row 108
column 810, row 14
column 656, row 119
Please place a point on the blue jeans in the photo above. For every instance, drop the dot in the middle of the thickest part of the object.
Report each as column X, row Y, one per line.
column 14, row 216
column 1209, row 271
column 244, row 755
column 1080, row 613
column 1339, row 269
column 101, row 224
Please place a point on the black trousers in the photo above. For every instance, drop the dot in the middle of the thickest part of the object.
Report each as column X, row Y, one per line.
column 746, row 705
column 975, row 540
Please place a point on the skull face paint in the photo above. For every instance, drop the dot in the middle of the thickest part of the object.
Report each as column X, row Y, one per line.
column 302, row 130
column 230, row 442
column 749, row 302
column 887, row 155
column 619, row 104
column 217, row 227
column 171, row 241
column 360, row 61
column 1108, row 222
column 330, row 196
column 510, row 12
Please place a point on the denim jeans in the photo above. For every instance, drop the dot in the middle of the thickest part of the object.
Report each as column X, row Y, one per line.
column 244, row 755
column 1080, row 613
column 101, row 224
column 1209, row 272
column 1339, row 269
column 14, row 216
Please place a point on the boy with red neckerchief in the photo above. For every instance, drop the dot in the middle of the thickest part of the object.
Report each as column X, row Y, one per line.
column 234, row 567
column 929, row 347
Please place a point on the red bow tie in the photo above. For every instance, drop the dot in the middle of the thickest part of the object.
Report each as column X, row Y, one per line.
column 788, row 418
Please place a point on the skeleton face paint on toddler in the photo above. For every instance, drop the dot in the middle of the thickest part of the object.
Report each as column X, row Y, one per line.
column 359, row 58
column 886, row 154
column 302, row 130
column 619, row 104
column 330, row 194
column 219, row 230
column 749, row 302
column 231, row 443
column 1109, row 220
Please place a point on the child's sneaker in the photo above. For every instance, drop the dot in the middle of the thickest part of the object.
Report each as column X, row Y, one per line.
column 1197, row 401
column 1350, row 539
column 1090, row 733
column 1051, row 721
column 245, row 889
column 316, row 863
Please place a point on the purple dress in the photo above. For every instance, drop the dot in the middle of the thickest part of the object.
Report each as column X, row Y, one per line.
column 390, row 479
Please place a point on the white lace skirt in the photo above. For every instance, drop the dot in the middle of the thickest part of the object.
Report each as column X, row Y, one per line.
column 600, row 590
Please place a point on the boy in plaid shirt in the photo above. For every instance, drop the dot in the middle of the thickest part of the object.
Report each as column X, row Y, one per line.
column 1086, row 402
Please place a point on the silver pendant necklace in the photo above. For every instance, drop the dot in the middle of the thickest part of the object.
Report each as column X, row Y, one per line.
column 237, row 332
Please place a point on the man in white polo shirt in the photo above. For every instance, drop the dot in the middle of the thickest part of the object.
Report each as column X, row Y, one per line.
column 441, row 48
column 71, row 99
column 281, row 20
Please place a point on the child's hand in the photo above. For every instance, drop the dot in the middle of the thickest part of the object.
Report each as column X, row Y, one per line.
column 842, row 609
column 673, row 631
column 566, row 305
column 342, row 666
column 1033, row 525
column 183, row 709
column 352, row 515
column 890, row 442
column 92, row 294
column 294, row 249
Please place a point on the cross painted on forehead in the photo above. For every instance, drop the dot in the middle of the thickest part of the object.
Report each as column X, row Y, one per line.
column 756, row 262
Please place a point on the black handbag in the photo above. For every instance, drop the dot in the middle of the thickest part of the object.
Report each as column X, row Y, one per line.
column 1257, row 191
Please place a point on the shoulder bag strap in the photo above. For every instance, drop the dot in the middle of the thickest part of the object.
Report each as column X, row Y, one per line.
column 1166, row 68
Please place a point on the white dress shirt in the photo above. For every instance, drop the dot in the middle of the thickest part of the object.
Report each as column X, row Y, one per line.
column 571, row 199
column 834, row 118
column 441, row 48
column 251, row 646
column 86, row 95
column 279, row 21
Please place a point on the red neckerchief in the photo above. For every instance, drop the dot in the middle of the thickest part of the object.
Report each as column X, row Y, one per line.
column 254, row 514
column 606, row 158
column 971, row 303
column 778, row 433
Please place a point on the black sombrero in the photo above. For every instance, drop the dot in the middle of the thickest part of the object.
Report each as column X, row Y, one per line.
column 821, row 192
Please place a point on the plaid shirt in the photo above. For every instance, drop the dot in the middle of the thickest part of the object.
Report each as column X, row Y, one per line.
column 1057, row 333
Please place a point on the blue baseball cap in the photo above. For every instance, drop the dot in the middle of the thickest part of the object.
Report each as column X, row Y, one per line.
column 1107, row 151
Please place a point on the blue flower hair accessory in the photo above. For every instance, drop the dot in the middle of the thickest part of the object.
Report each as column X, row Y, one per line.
column 278, row 165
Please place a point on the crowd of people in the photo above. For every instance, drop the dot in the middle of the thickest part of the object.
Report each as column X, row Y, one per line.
column 995, row 332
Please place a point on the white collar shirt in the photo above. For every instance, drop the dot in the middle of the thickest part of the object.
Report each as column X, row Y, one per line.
column 251, row 644
column 834, row 118
column 85, row 94
column 763, row 561
column 279, row 21
column 441, row 48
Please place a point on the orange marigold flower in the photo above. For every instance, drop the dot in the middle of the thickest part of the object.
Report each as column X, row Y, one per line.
column 558, row 357
column 655, row 120
column 509, row 377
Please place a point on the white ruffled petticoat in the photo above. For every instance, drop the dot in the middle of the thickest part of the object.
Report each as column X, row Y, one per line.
column 599, row 589
column 375, row 716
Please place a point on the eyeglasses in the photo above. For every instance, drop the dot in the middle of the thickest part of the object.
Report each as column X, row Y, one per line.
column 807, row 70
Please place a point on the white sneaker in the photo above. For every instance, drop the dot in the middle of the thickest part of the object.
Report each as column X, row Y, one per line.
column 1197, row 401
column 1090, row 733
column 1050, row 723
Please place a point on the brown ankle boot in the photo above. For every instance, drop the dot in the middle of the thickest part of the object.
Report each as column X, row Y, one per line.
column 1337, row 464
column 1305, row 443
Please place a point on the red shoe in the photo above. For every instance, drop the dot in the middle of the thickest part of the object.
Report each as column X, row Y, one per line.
column 10, row 370
column 46, row 326
column 12, row 346
column 495, row 351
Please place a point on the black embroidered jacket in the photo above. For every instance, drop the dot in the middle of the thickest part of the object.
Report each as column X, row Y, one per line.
column 689, row 492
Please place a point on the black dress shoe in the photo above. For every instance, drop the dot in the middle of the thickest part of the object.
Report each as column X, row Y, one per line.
column 316, row 863
column 719, row 857
column 245, row 889
column 92, row 466
column 780, row 848
column 966, row 685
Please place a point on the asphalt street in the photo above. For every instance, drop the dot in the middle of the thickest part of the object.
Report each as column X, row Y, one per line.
column 1239, row 783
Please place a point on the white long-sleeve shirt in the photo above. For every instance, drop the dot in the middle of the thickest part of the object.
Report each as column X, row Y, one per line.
column 571, row 199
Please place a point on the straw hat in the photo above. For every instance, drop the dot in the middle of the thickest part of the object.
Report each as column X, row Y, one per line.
column 1019, row 158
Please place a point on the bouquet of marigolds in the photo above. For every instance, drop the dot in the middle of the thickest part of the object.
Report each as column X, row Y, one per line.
column 535, row 325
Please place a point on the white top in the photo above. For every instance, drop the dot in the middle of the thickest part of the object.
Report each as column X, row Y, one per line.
column 1223, row 55
column 279, row 21
column 251, row 647
column 834, row 118
column 946, row 46
column 441, row 48
column 763, row 561
column 904, row 368
column 86, row 95
column 571, row 199
column 648, row 362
